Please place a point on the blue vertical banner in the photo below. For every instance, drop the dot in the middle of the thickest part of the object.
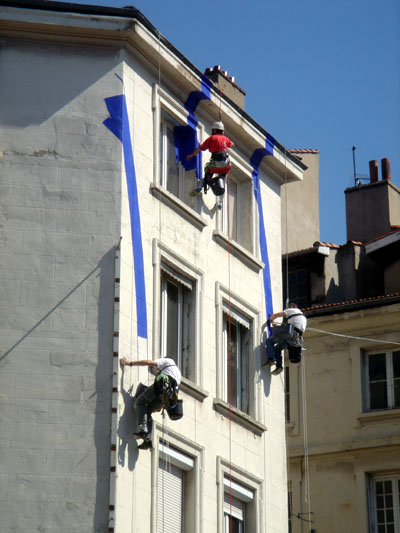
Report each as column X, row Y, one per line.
column 185, row 137
column 255, row 162
column 118, row 124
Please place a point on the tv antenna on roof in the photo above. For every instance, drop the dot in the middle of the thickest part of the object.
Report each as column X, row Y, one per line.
column 354, row 165
column 360, row 177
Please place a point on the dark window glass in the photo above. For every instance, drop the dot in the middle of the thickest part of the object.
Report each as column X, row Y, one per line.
column 377, row 366
column 172, row 318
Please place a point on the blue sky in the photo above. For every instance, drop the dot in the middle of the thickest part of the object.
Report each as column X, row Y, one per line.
column 318, row 74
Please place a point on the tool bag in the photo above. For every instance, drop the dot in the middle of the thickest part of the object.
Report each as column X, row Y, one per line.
column 284, row 332
column 175, row 411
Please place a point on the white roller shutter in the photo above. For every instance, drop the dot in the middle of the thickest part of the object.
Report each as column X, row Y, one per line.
column 236, row 316
column 176, row 276
column 170, row 498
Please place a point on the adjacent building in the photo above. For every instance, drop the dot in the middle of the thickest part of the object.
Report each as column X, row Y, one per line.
column 343, row 402
column 106, row 254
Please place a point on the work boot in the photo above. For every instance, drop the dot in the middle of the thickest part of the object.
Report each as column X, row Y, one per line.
column 142, row 433
column 146, row 445
column 278, row 370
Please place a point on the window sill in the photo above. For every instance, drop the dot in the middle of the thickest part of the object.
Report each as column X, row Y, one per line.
column 379, row 416
column 192, row 389
column 239, row 417
column 174, row 202
column 238, row 251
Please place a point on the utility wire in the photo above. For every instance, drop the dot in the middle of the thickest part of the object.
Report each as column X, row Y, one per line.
column 353, row 337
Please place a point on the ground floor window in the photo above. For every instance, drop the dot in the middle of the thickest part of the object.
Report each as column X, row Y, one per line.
column 385, row 512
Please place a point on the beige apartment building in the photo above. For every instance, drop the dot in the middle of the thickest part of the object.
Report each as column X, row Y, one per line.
column 343, row 402
column 105, row 254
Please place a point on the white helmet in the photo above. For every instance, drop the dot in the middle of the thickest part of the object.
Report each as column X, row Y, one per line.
column 217, row 126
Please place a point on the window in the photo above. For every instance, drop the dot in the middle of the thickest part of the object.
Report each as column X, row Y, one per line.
column 236, row 359
column 239, row 495
column 385, row 515
column 237, row 210
column 298, row 287
column 173, row 176
column 383, row 380
column 178, row 304
column 174, row 477
column 234, row 511
column 236, row 497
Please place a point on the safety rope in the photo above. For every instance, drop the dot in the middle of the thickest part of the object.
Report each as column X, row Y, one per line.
column 287, row 290
column 353, row 337
column 229, row 353
column 160, row 150
column 303, row 377
column 286, row 234
column 307, row 497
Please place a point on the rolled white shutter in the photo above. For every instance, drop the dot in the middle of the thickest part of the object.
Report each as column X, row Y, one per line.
column 170, row 498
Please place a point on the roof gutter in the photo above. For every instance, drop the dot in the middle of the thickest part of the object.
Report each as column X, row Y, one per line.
column 134, row 13
column 346, row 307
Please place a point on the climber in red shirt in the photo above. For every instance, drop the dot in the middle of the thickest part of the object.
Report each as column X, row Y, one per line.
column 219, row 164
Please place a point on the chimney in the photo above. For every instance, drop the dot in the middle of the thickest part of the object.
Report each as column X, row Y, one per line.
column 373, row 171
column 372, row 211
column 385, row 164
column 226, row 84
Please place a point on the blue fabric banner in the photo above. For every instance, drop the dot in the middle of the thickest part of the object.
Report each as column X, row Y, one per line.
column 118, row 124
column 185, row 137
column 255, row 161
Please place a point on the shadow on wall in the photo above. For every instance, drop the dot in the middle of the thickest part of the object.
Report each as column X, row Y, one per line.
column 265, row 373
column 127, row 425
column 103, row 389
column 39, row 79
column 75, row 392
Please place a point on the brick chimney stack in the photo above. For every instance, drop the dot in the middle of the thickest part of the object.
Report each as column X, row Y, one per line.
column 373, row 209
column 227, row 85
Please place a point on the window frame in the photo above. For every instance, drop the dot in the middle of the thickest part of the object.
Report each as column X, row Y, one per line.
column 390, row 386
column 238, row 512
column 242, row 374
column 303, row 299
column 170, row 467
column 240, row 175
column 245, row 310
column 163, row 156
column 183, row 327
column 162, row 101
column 189, row 456
column 244, row 487
column 185, row 271
column 373, row 479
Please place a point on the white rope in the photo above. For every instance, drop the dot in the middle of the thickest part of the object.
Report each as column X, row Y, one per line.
column 307, row 497
column 286, row 235
column 353, row 337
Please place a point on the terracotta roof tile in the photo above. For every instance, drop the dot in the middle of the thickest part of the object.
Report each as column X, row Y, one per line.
column 302, row 151
column 396, row 230
column 359, row 300
column 327, row 244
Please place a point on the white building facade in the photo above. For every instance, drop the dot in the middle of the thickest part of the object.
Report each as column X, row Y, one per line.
column 106, row 255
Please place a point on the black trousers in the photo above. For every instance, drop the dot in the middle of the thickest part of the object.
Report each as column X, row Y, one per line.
column 148, row 400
